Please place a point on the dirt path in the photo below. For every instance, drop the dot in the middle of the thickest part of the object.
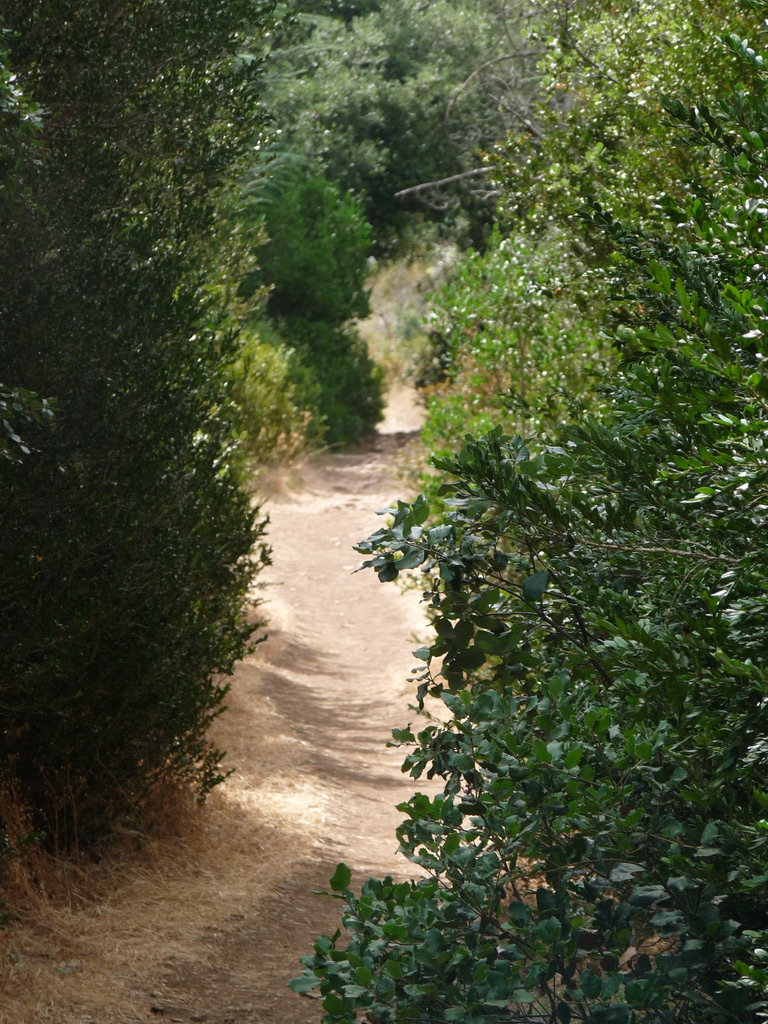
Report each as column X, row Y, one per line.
column 207, row 922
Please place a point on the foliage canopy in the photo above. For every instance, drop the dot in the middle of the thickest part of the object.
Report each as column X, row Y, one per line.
column 385, row 97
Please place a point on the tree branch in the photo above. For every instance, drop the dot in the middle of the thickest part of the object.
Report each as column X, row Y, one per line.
column 641, row 549
column 486, row 64
column 526, row 122
column 442, row 181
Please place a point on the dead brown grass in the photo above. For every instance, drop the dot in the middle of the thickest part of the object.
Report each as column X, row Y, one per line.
column 85, row 931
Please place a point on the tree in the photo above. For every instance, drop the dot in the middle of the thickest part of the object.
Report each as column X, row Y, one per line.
column 127, row 545
column 599, row 126
column 518, row 332
column 400, row 95
column 315, row 257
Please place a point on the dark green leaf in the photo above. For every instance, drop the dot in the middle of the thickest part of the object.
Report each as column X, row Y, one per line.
column 341, row 878
column 535, row 585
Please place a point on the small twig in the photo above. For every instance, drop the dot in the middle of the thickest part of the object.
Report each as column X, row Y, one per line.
column 643, row 550
column 529, row 126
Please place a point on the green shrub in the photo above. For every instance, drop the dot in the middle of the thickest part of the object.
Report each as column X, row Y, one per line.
column 516, row 341
column 275, row 421
column 599, row 851
column 389, row 96
column 314, row 266
column 601, row 130
column 349, row 385
column 315, row 258
column 127, row 548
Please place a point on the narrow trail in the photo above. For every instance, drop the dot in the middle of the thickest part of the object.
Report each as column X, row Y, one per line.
column 206, row 923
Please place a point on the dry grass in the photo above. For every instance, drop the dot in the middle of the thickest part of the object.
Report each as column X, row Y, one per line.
column 86, row 932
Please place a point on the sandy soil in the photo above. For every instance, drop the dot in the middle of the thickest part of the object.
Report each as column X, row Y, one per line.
column 207, row 921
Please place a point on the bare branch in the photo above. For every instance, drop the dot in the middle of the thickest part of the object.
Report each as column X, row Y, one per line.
column 488, row 63
column 414, row 189
column 526, row 122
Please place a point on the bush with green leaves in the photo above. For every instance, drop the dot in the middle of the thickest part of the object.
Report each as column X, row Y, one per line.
column 313, row 267
column 315, row 257
column 519, row 344
column 275, row 395
column 127, row 547
column 598, row 128
column 338, row 369
column 599, row 850
column 518, row 332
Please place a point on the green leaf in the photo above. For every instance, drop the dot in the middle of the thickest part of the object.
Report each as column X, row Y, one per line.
column 555, row 686
column 412, row 558
column 353, row 991
column 625, row 872
column 535, row 585
column 709, row 832
column 541, row 751
column 661, row 275
column 464, row 762
column 388, row 572
column 564, row 1014
column 451, row 843
column 306, row 983
column 644, row 750
column 591, row 984
column 548, row 930
column 573, row 757
column 363, row 976
column 668, row 922
column 334, row 1004
column 341, row 878
column 394, row 969
column 647, row 895
column 665, row 334
column 421, row 510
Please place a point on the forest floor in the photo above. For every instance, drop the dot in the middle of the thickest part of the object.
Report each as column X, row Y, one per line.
column 206, row 921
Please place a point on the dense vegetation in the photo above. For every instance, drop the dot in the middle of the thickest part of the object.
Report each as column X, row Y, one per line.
column 597, row 587
column 312, row 270
column 531, row 302
column 401, row 95
column 178, row 303
column 387, row 104
column 127, row 545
